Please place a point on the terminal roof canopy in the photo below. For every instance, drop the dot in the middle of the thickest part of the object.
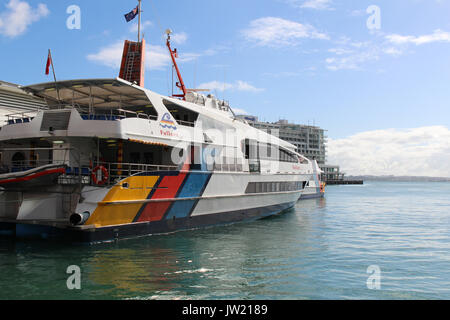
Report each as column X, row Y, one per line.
column 96, row 93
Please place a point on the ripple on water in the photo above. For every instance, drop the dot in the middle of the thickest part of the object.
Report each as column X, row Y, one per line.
column 319, row 250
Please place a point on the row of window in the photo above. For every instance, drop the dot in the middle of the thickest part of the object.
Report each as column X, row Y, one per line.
column 264, row 187
column 227, row 167
column 255, row 150
column 183, row 116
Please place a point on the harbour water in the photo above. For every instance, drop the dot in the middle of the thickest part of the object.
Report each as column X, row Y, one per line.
column 321, row 249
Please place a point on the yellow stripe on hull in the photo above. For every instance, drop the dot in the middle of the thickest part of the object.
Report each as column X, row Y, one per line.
column 138, row 189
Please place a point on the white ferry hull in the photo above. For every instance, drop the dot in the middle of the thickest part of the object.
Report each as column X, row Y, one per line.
column 175, row 201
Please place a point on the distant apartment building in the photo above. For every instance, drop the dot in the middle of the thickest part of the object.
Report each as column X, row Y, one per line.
column 310, row 141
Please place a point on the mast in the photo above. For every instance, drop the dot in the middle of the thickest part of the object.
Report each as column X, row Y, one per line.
column 133, row 57
column 173, row 55
column 139, row 22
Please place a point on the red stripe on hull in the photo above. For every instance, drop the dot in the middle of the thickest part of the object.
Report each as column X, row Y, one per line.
column 167, row 189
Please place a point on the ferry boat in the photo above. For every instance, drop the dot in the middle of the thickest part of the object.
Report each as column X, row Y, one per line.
column 315, row 188
column 108, row 159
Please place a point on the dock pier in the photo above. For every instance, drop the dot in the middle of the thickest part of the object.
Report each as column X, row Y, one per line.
column 344, row 182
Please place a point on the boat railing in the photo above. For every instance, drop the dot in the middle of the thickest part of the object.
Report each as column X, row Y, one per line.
column 76, row 170
column 110, row 173
column 185, row 123
column 24, row 165
column 86, row 114
column 117, row 171
column 29, row 158
column 114, row 114
column 20, row 117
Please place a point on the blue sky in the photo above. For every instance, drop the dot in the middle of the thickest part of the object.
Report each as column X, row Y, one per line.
column 310, row 61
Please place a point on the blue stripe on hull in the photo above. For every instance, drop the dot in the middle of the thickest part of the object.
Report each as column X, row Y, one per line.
column 193, row 187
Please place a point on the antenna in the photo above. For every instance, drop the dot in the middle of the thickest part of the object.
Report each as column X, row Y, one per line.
column 195, row 73
column 224, row 81
column 173, row 55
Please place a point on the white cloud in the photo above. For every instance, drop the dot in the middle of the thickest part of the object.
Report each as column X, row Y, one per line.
column 317, row 4
column 273, row 32
column 144, row 25
column 215, row 85
column 352, row 60
column 423, row 151
column 109, row 56
column 287, row 74
column 358, row 13
column 179, row 38
column 239, row 85
column 245, row 86
column 436, row 36
column 311, row 4
column 340, row 51
column 19, row 16
column 393, row 51
column 156, row 57
column 351, row 55
column 238, row 111
column 354, row 55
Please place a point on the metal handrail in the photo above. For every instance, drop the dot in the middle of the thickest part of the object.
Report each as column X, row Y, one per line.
column 20, row 116
column 185, row 123
column 33, row 163
column 132, row 168
column 118, row 171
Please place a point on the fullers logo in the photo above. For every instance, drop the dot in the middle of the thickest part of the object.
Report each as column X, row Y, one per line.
column 167, row 122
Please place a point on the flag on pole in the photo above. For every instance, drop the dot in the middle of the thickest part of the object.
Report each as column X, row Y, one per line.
column 49, row 62
column 47, row 70
column 132, row 14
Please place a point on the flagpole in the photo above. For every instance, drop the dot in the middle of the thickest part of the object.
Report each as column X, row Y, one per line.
column 139, row 22
column 54, row 75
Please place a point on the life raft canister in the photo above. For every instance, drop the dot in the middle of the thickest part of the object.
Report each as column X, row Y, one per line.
column 105, row 175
